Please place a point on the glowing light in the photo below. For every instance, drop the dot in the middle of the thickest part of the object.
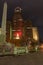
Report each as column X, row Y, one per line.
column 35, row 33
column 17, row 37
column 17, row 34
column 35, row 37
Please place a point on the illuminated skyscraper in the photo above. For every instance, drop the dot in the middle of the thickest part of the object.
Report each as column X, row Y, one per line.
column 20, row 29
column 17, row 22
column 17, row 19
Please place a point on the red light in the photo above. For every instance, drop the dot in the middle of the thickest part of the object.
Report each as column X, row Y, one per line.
column 18, row 33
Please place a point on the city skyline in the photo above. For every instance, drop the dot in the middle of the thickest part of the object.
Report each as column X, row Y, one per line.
column 35, row 18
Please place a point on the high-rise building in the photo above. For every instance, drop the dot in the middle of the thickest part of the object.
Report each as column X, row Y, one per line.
column 18, row 30
column 17, row 19
column 17, row 22
column 28, row 29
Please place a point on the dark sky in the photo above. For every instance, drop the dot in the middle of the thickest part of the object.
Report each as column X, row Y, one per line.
column 32, row 9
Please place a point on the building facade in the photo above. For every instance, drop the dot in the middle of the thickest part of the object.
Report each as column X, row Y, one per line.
column 18, row 30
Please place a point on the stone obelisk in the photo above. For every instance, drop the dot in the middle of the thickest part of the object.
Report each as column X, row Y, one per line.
column 4, row 20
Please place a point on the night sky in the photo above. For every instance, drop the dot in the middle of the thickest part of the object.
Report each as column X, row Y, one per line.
column 32, row 9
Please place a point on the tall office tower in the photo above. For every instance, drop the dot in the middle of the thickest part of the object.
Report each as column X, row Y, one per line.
column 4, row 18
column 17, row 23
column 28, row 29
column 17, row 19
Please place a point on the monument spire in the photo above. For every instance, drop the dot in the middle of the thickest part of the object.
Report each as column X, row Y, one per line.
column 4, row 18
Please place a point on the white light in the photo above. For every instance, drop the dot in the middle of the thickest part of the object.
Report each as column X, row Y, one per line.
column 17, row 37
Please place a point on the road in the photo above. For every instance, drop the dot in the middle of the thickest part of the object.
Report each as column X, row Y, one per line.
column 29, row 59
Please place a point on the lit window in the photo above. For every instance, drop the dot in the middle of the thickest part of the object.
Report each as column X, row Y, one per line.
column 20, row 19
